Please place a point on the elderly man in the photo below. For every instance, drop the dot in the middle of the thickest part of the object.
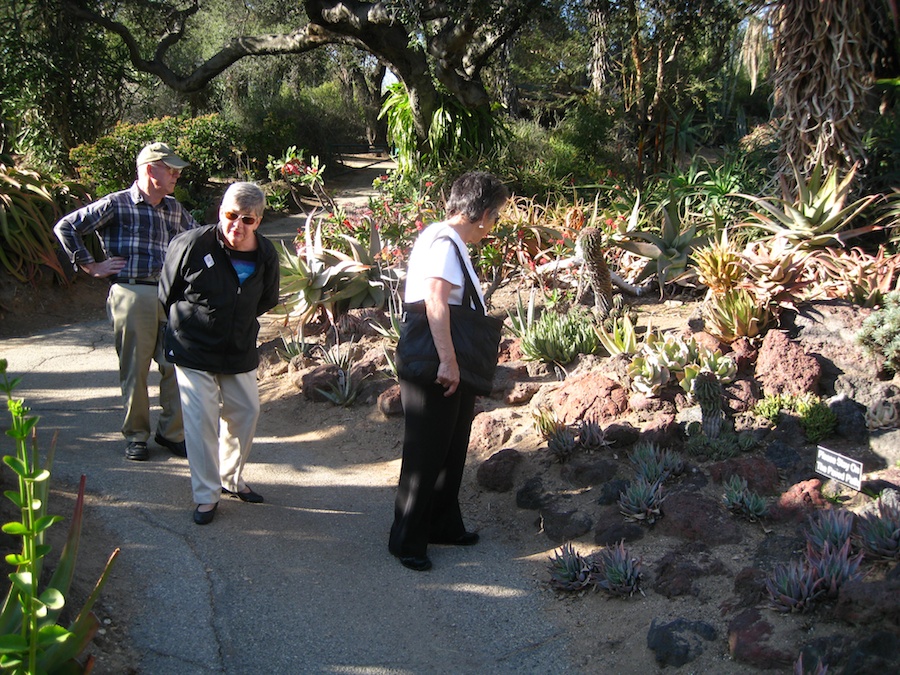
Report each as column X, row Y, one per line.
column 134, row 227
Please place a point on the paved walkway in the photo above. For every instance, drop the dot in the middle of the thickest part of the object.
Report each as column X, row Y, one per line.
column 301, row 584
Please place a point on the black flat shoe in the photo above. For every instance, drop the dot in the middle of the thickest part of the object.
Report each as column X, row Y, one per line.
column 205, row 517
column 422, row 564
column 177, row 448
column 137, row 451
column 465, row 539
column 249, row 496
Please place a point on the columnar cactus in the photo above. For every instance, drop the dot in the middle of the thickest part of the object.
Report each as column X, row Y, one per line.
column 707, row 390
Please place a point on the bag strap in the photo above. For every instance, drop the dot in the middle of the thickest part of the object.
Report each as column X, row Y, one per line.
column 470, row 296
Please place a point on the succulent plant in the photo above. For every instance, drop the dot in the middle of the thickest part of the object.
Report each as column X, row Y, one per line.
column 647, row 375
column 674, row 353
column 562, row 444
column 641, row 501
column 648, row 467
column 616, row 572
column 817, row 420
column 880, row 330
column 716, row 362
column 829, row 526
column 770, row 407
column 707, row 390
column 655, row 464
column 800, row 669
column 569, row 570
column 737, row 313
column 740, row 499
column 793, row 587
column 719, row 265
column 590, row 435
column 878, row 535
column 546, row 422
column 617, row 335
column 882, row 415
column 833, row 565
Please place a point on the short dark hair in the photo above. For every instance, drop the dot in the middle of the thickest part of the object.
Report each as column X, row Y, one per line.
column 475, row 193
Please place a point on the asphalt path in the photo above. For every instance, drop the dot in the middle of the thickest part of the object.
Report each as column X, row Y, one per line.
column 301, row 584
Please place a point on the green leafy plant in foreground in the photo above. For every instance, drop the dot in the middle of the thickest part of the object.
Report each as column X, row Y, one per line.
column 31, row 640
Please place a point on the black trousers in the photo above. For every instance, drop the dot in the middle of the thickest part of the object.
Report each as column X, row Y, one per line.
column 435, row 442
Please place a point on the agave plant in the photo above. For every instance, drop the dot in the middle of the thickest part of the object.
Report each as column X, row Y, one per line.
column 617, row 572
column 546, row 422
column 818, row 215
column 793, row 587
column 649, row 462
column 316, row 278
column 569, row 570
column 741, row 500
column 28, row 210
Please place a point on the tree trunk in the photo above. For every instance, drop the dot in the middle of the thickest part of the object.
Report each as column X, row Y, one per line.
column 599, row 65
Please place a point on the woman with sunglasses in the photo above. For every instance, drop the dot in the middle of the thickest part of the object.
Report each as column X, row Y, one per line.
column 215, row 282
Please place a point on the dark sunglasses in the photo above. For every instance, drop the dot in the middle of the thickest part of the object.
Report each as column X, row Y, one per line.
column 246, row 220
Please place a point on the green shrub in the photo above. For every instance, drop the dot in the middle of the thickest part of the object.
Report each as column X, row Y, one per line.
column 209, row 143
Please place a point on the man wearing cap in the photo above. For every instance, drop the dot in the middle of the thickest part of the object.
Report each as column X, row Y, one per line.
column 134, row 227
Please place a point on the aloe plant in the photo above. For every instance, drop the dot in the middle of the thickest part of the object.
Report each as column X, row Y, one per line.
column 31, row 640
column 569, row 570
column 668, row 252
column 622, row 338
column 325, row 279
column 737, row 313
column 28, row 210
column 617, row 572
column 818, row 215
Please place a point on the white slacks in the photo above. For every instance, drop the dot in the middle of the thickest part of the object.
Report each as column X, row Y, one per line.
column 220, row 416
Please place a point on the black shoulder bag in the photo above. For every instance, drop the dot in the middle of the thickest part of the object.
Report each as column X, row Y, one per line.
column 476, row 338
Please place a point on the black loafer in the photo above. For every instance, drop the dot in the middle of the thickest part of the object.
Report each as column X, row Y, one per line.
column 465, row 539
column 419, row 564
column 177, row 448
column 137, row 451
column 250, row 496
column 205, row 517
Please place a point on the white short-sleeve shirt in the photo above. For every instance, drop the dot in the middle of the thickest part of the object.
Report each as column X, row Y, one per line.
column 433, row 257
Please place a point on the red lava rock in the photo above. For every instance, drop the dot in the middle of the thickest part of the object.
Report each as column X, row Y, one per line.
column 782, row 366
column 800, row 500
column 761, row 474
column 748, row 636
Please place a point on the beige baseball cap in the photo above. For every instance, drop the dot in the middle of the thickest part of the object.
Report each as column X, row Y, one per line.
column 160, row 152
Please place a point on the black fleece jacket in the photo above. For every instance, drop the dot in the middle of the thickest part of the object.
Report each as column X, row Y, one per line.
column 212, row 316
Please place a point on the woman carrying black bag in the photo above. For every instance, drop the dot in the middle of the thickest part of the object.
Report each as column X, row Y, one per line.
column 439, row 406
